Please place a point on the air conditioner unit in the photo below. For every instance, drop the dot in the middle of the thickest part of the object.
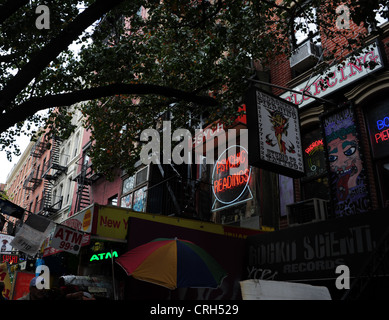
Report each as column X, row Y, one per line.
column 305, row 56
column 308, row 211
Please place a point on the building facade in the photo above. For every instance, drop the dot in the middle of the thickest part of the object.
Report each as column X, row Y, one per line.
column 292, row 228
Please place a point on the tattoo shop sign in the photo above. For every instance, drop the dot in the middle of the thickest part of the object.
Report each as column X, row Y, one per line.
column 274, row 134
column 369, row 60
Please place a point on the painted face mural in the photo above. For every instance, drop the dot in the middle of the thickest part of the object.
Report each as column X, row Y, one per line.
column 348, row 183
column 345, row 161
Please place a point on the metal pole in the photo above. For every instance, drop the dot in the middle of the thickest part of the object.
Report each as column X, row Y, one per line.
column 113, row 278
column 295, row 91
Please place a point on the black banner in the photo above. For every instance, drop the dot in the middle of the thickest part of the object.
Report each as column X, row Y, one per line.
column 313, row 251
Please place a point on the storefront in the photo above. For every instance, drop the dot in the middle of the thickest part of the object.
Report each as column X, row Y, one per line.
column 226, row 244
column 310, row 253
column 345, row 140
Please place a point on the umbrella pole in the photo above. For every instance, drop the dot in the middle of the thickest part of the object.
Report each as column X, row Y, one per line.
column 113, row 278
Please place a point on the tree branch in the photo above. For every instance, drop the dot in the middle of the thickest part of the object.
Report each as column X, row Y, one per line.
column 57, row 45
column 30, row 107
column 10, row 7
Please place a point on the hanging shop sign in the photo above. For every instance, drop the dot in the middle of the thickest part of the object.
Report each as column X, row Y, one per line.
column 347, row 175
column 274, row 134
column 339, row 75
column 66, row 239
column 31, row 235
column 231, row 177
column 81, row 221
column 377, row 117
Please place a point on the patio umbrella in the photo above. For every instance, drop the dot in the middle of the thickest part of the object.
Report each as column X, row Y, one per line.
column 172, row 263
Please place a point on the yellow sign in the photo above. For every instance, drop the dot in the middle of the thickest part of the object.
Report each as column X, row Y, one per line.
column 112, row 223
column 4, row 277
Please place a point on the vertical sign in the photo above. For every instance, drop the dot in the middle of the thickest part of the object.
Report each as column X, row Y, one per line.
column 348, row 182
column 274, row 129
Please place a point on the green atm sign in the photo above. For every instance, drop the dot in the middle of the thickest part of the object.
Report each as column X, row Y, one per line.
column 104, row 256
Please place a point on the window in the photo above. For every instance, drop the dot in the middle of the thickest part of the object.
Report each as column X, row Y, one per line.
column 113, row 201
column 305, row 43
column 315, row 182
column 377, row 116
column 76, row 142
column 305, row 27
column 36, row 204
column 134, row 191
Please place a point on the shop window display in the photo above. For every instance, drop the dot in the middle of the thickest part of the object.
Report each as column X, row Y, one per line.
column 377, row 119
column 315, row 183
column 134, row 192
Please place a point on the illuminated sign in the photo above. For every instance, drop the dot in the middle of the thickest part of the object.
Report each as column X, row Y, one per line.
column 383, row 123
column 383, row 135
column 104, row 256
column 10, row 258
column 340, row 75
column 231, row 177
column 377, row 116
column 313, row 145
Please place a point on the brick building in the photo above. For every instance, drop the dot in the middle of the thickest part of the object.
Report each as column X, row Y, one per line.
column 334, row 214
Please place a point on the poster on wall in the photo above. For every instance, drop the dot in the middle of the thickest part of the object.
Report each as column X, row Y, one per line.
column 5, row 243
column 348, row 182
column 274, row 134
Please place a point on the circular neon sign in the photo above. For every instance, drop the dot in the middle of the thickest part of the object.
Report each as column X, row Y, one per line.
column 231, row 175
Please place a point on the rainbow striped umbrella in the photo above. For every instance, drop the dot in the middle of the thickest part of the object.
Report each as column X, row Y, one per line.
column 172, row 263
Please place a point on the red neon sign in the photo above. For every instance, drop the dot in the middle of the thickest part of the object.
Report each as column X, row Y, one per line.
column 231, row 176
column 10, row 258
column 314, row 145
column 382, row 136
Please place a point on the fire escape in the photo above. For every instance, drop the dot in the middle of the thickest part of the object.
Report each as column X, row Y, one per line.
column 34, row 179
column 84, row 180
column 51, row 172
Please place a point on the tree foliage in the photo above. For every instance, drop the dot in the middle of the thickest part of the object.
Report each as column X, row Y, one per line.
column 145, row 60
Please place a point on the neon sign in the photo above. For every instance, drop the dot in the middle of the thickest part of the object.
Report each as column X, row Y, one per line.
column 314, row 145
column 231, row 177
column 384, row 134
column 104, row 256
column 383, row 123
column 10, row 258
